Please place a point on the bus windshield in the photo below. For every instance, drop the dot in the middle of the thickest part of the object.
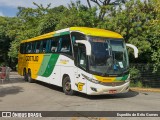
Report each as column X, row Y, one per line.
column 108, row 56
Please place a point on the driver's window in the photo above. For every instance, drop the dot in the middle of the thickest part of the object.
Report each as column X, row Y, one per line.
column 82, row 60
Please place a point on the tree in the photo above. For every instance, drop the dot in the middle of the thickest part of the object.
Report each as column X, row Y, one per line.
column 50, row 20
column 27, row 26
column 138, row 22
column 4, row 40
column 154, row 33
column 78, row 15
column 105, row 6
column 8, row 31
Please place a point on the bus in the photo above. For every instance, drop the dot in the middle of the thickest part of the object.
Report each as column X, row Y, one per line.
column 88, row 60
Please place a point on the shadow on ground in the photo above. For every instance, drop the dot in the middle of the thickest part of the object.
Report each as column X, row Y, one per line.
column 53, row 87
column 109, row 96
column 10, row 90
column 93, row 97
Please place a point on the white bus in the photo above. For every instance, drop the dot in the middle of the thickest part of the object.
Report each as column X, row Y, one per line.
column 88, row 60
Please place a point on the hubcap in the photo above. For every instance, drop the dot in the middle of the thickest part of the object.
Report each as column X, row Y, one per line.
column 68, row 86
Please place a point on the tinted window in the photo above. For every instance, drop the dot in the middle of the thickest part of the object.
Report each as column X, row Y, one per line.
column 21, row 48
column 64, row 44
column 54, row 44
column 38, row 45
column 28, row 47
column 48, row 46
column 44, row 46
column 34, row 47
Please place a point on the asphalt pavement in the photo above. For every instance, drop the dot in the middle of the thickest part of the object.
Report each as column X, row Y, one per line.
column 18, row 95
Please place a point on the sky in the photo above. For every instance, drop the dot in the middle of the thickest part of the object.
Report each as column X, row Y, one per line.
column 9, row 7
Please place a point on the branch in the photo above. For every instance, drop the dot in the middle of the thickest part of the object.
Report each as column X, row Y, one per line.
column 101, row 1
column 95, row 1
column 108, row 2
column 89, row 3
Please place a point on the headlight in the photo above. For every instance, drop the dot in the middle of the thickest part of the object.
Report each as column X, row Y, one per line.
column 90, row 79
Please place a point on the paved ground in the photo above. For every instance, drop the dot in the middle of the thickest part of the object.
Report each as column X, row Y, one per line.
column 17, row 95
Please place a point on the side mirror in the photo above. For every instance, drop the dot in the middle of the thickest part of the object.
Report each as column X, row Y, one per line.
column 87, row 45
column 134, row 48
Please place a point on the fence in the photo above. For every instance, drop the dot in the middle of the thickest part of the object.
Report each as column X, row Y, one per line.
column 146, row 75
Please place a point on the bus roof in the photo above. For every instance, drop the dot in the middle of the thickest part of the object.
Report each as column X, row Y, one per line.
column 85, row 30
column 96, row 32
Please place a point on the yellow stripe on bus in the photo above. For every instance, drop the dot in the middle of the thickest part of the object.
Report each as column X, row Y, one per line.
column 96, row 32
column 104, row 79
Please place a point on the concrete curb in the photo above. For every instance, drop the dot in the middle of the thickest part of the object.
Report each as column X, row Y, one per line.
column 145, row 89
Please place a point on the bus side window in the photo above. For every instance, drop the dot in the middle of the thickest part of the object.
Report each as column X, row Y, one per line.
column 65, row 45
column 54, row 45
column 24, row 48
column 34, row 47
column 28, row 47
column 38, row 44
column 21, row 48
column 43, row 46
column 48, row 45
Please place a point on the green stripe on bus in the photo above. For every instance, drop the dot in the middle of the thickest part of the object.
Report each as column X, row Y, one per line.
column 125, row 77
column 121, row 78
column 51, row 64
column 44, row 64
column 118, row 78
column 62, row 33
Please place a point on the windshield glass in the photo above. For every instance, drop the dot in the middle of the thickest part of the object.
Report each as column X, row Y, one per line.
column 108, row 56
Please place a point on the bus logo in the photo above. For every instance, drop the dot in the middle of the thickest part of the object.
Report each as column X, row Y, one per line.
column 80, row 86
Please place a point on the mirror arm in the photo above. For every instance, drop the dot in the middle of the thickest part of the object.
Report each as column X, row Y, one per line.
column 134, row 48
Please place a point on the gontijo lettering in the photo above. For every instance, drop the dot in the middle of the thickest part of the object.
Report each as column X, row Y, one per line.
column 32, row 58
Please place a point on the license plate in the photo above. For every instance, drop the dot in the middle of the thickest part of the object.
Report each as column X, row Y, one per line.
column 112, row 91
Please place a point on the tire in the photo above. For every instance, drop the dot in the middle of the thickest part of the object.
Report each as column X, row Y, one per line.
column 67, row 86
column 25, row 75
column 30, row 80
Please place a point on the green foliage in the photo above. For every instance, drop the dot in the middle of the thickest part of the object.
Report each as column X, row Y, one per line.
column 13, row 51
column 137, row 84
column 78, row 15
column 134, row 73
column 139, row 24
column 50, row 20
column 7, row 34
column 138, row 21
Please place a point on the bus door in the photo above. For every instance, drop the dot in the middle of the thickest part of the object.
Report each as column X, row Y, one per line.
column 81, row 63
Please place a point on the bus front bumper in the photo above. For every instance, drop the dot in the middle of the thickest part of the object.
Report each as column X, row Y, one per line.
column 98, row 89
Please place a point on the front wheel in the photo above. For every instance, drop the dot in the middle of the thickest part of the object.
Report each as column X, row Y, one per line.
column 67, row 86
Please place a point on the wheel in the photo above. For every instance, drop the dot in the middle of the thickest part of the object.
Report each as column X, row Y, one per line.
column 67, row 86
column 30, row 80
column 25, row 75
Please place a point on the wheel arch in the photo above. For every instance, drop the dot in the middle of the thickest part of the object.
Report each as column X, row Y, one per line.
column 24, row 71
